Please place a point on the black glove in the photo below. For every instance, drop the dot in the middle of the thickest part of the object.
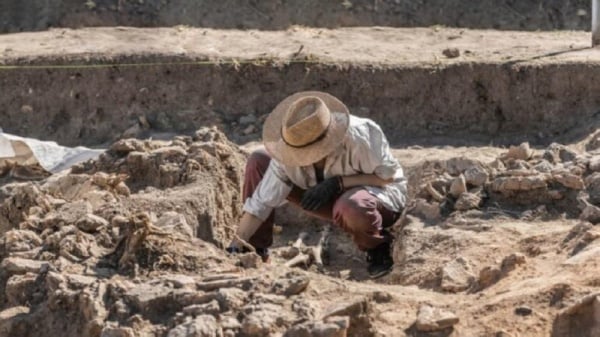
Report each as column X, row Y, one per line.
column 322, row 193
column 262, row 252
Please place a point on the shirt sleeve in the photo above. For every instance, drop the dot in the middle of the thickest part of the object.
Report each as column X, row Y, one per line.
column 272, row 190
column 375, row 157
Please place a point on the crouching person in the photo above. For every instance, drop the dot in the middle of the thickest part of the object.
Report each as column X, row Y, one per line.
column 335, row 166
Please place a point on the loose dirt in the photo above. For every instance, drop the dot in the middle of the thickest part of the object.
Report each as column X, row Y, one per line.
column 131, row 245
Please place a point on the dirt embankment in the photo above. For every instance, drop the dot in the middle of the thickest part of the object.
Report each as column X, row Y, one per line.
column 16, row 15
column 537, row 87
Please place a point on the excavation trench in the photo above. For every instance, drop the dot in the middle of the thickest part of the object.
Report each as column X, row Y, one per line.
column 450, row 105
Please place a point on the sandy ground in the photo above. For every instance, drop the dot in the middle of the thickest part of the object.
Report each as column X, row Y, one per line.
column 368, row 45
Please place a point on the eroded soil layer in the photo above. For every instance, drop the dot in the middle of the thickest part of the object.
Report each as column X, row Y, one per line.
column 93, row 86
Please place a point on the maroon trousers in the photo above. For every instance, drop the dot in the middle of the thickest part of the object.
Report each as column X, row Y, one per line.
column 356, row 211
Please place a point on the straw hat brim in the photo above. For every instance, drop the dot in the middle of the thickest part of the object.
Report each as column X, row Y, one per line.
column 307, row 155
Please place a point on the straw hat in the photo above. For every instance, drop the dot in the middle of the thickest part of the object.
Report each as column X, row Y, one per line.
column 305, row 127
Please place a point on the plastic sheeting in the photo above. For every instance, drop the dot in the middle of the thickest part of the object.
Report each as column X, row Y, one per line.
column 51, row 156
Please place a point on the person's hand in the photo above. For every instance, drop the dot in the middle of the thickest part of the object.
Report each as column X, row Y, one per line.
column 322, row 193
column 233, row 250
column 262, row 252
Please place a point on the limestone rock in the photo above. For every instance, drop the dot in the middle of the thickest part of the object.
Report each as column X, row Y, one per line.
column 10, row 317
column 333, row 327
column 430, row 211
column 259, row 323
column 124, row 146
column 179, row 280
column 67, row 214
column 19, row 288
column 457, row 275
column 556, row 153
column 476, row 176
column 117, row 331
column 543, row 166
column 352, row 308
column 231, row 298
column 434, row 319
column 458, row 165
column 211, row 308
column 175, row 222
column 201, row 326
column 569, row 180
column 250, row 260
column 15, row 265
column 592, row 184
column 90, row 223
column 591, row 214
column 519, row 183
column 458, row 186
column 291, row 285
column 522, row 152
column 21, row 240
column 467, row 201
column 594, row 163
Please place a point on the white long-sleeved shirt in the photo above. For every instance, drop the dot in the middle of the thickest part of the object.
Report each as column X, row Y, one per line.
column 365, row 150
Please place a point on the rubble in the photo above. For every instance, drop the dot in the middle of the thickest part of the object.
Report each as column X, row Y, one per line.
column 132, row 245
column 457, row 276
column 434, row 319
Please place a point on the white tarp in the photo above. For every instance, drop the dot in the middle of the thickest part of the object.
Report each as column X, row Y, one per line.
column 51, row 156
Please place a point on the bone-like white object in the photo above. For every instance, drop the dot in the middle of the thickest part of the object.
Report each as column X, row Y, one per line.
column 317, row 251
column 298, row 259
column 300, row 241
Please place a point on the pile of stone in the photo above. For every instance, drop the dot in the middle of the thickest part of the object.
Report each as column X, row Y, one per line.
column 131, row 245
column 520, row 180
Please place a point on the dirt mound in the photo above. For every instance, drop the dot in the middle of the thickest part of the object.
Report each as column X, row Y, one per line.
column 131, row 245
column 119, row 247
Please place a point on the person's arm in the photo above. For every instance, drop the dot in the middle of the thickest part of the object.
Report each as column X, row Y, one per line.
column 364, row 180
column 247, row 226
column 270, row 193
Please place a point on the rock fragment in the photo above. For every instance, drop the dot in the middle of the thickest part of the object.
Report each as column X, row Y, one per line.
column 15, row 265
column 523, row 310
column 510, row 262
column 458, row 186
column 476, row 176
column 332, row 327
column 231, row 298
column 260, row 323
column 91, row 223
column 201, row 326
column 11, row 317
column 521, row 152
column 569, row 180
column 291, row 285
column 434, row 319
column 457, row 275
column 467, row 201
column 211, row 308
column 451, row 53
